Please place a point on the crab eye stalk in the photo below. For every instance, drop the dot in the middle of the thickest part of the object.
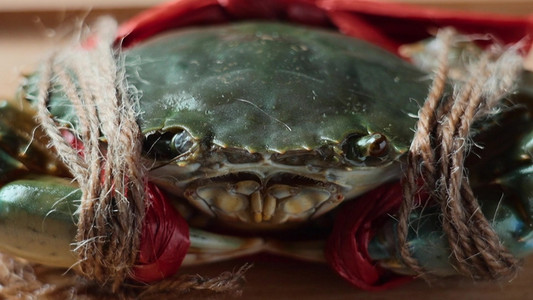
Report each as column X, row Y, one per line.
column 368, row 150
column 168, row 145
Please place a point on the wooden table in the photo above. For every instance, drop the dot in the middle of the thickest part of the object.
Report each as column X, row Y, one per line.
column 27, row 37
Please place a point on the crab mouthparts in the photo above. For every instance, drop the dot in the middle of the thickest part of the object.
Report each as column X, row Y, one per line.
column 274, row 200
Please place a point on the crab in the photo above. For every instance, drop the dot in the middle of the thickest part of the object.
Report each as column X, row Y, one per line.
column 266, row 130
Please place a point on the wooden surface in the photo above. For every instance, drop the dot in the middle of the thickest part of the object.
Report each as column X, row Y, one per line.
column 27, row 37
column 307, row 281
column 500, row 6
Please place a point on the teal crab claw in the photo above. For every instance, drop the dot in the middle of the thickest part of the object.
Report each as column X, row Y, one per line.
column 39, row 215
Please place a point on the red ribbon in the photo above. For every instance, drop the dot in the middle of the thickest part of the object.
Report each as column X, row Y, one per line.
column 164, row 239
column 355, row 225
column 165, row 234
column 386, row 24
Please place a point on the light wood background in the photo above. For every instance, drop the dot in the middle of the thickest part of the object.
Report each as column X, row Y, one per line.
column 29, row 29
column 505, row 6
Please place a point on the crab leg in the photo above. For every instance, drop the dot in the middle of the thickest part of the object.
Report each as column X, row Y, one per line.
column 23, row 147
column 210, row 247
column 38, row 223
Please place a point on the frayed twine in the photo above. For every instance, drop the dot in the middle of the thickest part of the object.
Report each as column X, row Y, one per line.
column 21, row 280
column 226, row 284
column 24, row 281
column 111, row 179
column 437, row 153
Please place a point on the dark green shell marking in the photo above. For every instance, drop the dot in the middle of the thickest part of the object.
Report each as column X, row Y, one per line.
column 273, row 87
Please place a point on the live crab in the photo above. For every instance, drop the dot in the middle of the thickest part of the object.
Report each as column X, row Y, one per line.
column 264, row 129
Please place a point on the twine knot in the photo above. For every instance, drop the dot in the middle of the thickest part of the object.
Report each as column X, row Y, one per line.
column 437, row 153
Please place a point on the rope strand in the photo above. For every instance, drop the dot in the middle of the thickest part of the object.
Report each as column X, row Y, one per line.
column 111, row 178
column 437, row 155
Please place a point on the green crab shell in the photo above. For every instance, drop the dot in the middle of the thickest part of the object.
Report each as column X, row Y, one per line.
column 266, row 87
column 270, row 87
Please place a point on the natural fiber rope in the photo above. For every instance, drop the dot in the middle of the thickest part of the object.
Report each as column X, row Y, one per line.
column 111, row 179
column 20, row 280
column 227, row 284
column 437, row 155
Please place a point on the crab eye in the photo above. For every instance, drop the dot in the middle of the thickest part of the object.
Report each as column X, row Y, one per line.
column 181, row 142
column 370, row 149
column 168, row 145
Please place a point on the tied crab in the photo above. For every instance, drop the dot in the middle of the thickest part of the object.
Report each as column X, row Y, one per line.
column 264, row 130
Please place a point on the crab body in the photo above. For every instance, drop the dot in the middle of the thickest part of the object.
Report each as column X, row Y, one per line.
column 260, row 125
column 268, row 110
